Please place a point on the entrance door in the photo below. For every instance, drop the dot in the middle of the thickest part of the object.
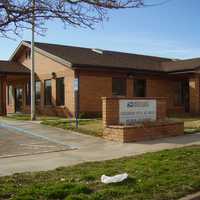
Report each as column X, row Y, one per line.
column 186, row 95
column 18, row 99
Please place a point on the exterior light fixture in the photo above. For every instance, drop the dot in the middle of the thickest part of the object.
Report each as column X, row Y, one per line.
column 130, row 76
column 53, row 75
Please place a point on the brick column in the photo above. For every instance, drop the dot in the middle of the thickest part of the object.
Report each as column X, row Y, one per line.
column 129, row 90
column 110, row 111
column 41, row 106
column 194, row 94
column 161, row 104
column 4, row 95
column 53, row 81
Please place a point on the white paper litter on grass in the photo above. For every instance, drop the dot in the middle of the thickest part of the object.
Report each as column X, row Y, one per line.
column 114, row 179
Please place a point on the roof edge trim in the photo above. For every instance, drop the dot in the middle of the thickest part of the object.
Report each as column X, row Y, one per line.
column 43, row 52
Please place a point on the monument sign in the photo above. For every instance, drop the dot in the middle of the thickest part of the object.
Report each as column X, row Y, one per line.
column 134, row 111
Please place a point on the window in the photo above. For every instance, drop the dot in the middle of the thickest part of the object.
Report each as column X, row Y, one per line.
column 37, row 92
column 180, row 93
column 28, row 93
column 60, row 92
column 139, row 88
column 47, row 92
column 10, row 95
column 119, row 87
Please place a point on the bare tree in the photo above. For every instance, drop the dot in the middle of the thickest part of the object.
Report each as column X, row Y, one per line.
column 16, row 15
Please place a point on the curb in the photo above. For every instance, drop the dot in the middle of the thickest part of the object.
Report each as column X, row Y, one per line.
column 195, row 196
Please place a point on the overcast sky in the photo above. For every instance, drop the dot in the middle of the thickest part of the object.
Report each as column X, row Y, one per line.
column 171, row 30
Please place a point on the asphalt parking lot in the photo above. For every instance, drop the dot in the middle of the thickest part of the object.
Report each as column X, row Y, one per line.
column 14, row 142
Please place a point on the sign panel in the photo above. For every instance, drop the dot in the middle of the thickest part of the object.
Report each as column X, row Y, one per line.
column 76, row 84
column 133, row 111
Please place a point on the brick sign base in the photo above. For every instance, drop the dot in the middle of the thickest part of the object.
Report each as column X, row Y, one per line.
column 138, row 132
column 143, row 132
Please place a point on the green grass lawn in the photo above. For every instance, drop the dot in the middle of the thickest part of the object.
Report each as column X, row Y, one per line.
column 94, row 126
column 26, row 117
column 164, row 175
column 90, row 126
column 191, row 123
column 86, row 126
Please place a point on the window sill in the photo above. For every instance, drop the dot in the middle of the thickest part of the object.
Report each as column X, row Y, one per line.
column 60, row 106
column 54, row 106
column 120, row 96
column 48, row 106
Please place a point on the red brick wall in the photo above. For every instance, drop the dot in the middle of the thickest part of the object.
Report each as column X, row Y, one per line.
column 44, row 66
column 194, row 84
column 138, row 132
column 92, row 88
column 2, row 95
column 94, row 85
column 145, row 132
column 164, row 88
column 16, row 81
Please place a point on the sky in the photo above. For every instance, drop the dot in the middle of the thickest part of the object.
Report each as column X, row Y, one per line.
column 170, row 30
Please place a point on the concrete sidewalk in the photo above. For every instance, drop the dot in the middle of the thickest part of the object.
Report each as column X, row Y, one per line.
column 87, row 148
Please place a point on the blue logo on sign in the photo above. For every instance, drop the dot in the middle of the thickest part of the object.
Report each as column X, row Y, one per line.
column 130, row 104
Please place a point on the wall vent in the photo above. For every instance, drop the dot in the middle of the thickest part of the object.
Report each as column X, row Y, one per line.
column 99, row 51
column 175, row 59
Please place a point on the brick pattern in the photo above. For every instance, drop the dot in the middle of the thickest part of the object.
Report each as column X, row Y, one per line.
column 2, row 95
column 92, row 88
column 163, row 88
column 146, row 132
column 110, row 109
column 44, row 68
column 19, row 81
column 194, row 84
column 95, row 84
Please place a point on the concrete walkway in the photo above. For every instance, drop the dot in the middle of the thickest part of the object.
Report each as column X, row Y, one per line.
column 83, row 148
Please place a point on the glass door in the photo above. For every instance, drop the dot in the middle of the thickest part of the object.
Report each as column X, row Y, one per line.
column 18, row 99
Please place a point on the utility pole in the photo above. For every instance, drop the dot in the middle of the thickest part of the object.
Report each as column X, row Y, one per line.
column 33, row 116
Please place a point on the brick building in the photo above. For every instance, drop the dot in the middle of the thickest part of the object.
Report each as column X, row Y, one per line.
column 100, row 74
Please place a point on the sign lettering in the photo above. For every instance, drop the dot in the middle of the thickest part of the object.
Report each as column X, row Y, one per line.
column 134, row 111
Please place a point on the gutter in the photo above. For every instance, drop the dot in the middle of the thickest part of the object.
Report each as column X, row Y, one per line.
column 182, row 72
column 14, row 73
column 100, row 67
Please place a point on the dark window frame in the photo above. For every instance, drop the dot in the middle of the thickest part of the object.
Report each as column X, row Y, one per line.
column 47, row 97
column 119, row 86
column 179, row 98
column 37, row 92
column 140, row 87
column 28, row 94
column 60, row 91
column 10, row 95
